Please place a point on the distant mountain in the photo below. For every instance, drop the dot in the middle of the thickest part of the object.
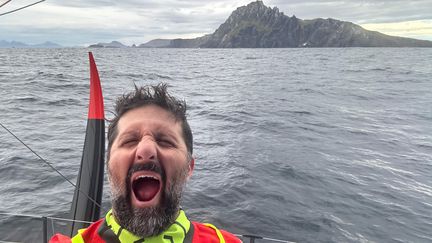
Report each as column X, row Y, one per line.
column 112, row 44
column 258, row 26
column 7, row 44
column 16, row 44
column 47, row 44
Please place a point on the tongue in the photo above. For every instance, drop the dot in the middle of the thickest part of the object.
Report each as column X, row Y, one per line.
column 145, row 189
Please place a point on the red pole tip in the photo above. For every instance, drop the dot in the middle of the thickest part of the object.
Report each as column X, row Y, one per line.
column 96, row 106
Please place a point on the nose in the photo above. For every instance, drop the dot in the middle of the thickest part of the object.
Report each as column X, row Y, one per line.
column 146, row 150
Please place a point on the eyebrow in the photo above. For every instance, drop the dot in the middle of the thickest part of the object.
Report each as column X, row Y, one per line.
column 159, row 132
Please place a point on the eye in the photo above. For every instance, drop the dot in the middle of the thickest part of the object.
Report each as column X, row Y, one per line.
column 165, row 142
column 128, row 142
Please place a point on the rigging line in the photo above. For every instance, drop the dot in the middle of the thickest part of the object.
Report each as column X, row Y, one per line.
column 49, row 164
column 263, row 238
column 21, row 8
column 40, row 216
column 5, row 3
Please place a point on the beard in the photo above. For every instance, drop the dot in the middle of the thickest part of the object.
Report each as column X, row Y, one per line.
column 151, row 221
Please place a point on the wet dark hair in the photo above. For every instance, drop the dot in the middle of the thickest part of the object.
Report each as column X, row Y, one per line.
column 150, row 95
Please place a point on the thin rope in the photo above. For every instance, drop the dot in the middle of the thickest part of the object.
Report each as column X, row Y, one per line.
column 52, row 167
column 21, row 8
column 39, row 217
column 263, row 238
column 21, row 215
column 70, row 220
column 5, row 3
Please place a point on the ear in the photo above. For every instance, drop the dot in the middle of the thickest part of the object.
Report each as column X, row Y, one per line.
column 191, row 167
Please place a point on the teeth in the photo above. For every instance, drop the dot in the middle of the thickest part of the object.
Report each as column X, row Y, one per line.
column 145, row 176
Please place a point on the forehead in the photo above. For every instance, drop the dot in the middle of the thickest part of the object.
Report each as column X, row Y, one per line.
column 151, row 116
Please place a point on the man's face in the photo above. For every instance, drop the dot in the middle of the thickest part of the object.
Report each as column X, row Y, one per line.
column 148, row 168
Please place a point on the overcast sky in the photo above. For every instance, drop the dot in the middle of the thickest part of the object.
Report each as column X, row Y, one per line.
column 83, row 22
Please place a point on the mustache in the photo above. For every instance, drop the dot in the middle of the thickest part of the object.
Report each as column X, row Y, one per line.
column 153, row 166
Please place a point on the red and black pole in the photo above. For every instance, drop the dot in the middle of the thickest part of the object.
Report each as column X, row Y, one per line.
column 88, row 193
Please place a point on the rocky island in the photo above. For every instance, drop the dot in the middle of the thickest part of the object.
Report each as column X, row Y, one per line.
column 259, row 26
column 112, row 44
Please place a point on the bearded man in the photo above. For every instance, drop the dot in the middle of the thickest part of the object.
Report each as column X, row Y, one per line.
column 149, row 162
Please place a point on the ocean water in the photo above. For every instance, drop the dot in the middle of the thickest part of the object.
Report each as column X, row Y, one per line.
column 305, row 145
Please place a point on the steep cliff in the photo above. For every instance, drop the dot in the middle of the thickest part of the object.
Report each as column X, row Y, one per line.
column 259, row 26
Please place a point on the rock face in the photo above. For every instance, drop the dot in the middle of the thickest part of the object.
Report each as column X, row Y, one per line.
column 258, row 26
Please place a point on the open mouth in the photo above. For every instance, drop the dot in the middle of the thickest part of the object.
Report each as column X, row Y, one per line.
column 146, row 187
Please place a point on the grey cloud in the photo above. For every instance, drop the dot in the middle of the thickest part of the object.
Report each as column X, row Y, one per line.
column 131, row 5
column 365, row 11
column 358, row 11
column 83, row 3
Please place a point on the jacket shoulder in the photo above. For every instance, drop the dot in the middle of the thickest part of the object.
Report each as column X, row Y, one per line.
column 205, row 233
